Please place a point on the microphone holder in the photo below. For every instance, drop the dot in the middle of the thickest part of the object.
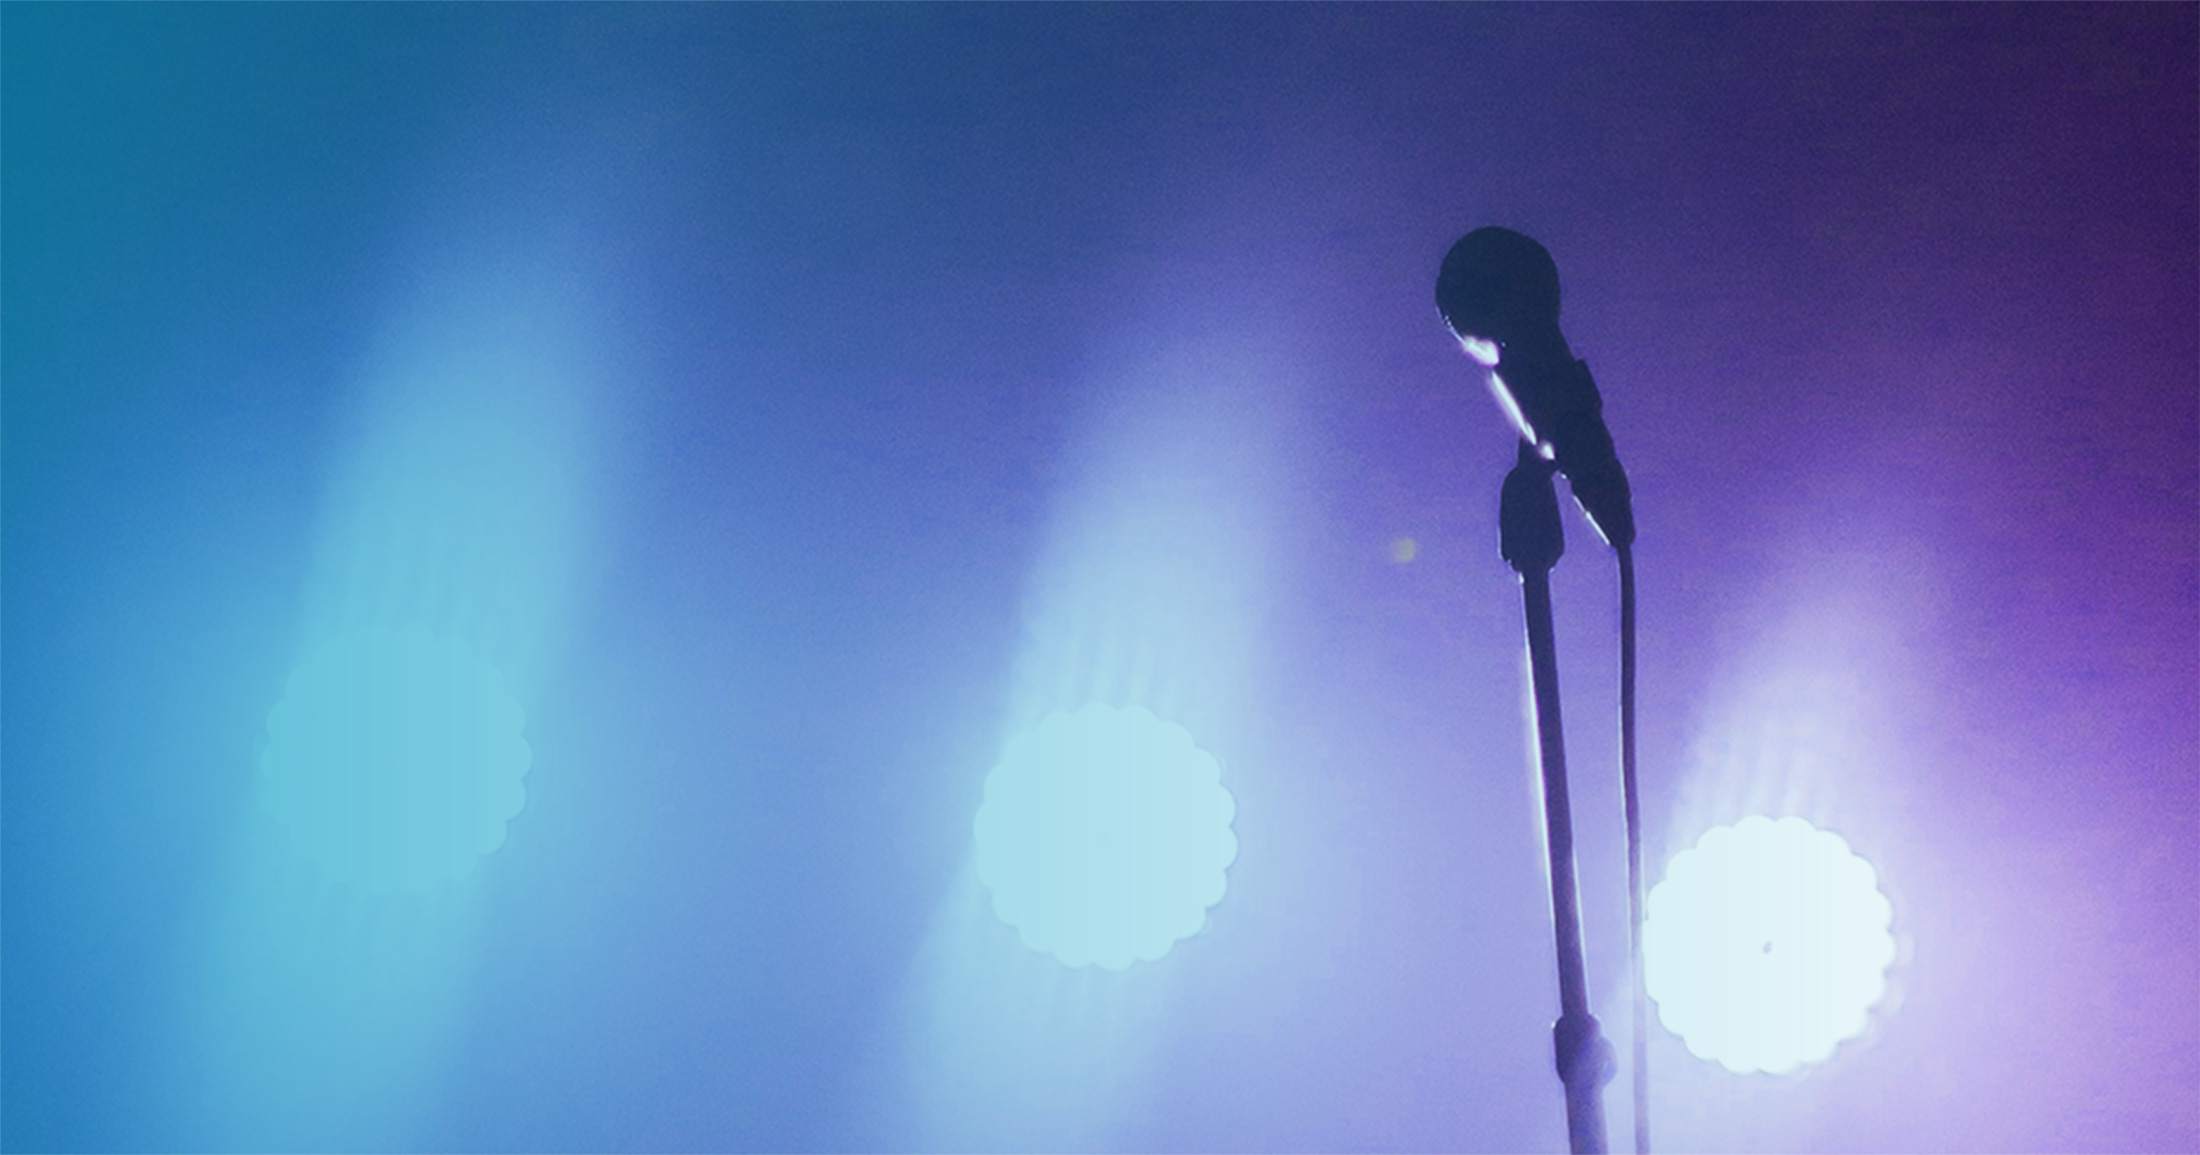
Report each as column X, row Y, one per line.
column 1532, row 538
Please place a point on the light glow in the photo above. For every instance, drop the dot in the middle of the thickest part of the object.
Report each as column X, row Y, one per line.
column 1767, row 945
column 1104, row 836
column 395, row 759
column 1481, row 349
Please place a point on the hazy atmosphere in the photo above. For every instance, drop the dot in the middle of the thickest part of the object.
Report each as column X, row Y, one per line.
column 749, row 441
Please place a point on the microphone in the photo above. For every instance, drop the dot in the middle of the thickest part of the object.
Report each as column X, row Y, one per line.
column 1498, row 293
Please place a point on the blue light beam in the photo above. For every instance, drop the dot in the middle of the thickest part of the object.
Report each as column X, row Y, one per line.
column 395, row 759
column 1105, row 836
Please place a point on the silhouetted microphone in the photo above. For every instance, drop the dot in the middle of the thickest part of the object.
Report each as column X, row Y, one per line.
column 1498, row 291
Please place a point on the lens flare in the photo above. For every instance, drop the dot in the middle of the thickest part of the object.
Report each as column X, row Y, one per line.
column 395, row 759
column 1767, row 945
column 1104, row 836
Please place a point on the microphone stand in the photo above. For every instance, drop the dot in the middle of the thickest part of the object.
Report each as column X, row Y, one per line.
column 1532, row 539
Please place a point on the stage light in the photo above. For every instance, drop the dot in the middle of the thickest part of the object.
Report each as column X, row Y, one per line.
column 1104, row 836
column 395, row 759
column 1767, row 945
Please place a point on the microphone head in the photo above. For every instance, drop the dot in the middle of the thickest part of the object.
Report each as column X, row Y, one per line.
column 1498, row 285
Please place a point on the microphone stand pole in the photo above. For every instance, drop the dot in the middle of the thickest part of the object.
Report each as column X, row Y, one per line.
column 1532, row 540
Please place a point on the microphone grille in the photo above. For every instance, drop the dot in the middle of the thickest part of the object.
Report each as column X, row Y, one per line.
column 1496, row 283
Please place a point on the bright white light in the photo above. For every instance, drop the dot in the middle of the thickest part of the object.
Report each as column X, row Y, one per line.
column 1767, row 945
column 1511, row 405
column 395, row 759
column 1104, row 836
column 1481, row 349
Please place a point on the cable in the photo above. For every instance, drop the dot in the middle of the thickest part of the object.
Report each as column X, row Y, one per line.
column 1632, row 803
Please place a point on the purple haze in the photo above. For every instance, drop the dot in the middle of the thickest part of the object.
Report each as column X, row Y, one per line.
column 912, row 321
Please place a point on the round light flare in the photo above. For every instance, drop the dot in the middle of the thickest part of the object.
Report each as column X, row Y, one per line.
column 1767, row 945
column 1104, row 836
column 395, row 759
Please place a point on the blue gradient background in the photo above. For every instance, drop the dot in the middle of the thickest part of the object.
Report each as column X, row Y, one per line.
column 873, row 380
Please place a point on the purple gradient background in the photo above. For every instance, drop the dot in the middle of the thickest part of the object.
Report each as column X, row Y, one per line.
column 1894, row 308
